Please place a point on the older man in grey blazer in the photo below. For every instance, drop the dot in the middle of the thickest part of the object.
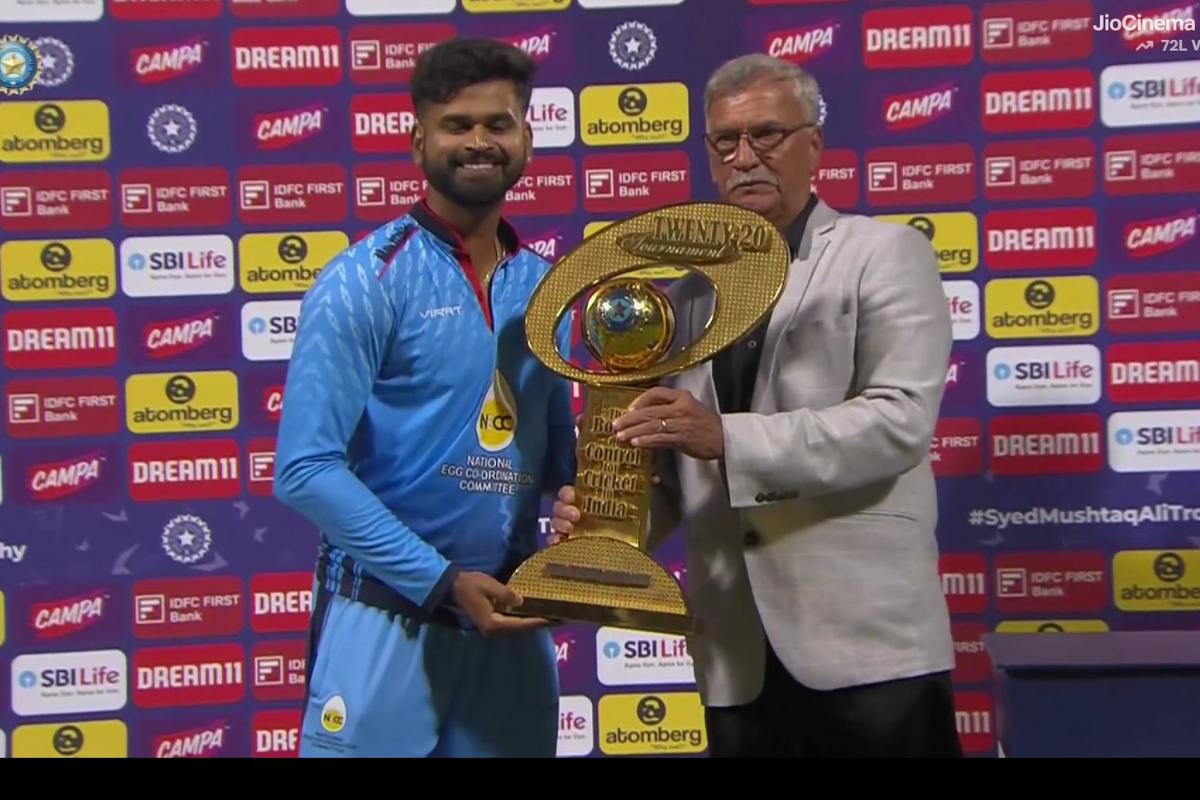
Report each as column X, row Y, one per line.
column 797, row 462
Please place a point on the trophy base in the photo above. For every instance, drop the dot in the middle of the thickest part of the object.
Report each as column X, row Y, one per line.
column 601, row 580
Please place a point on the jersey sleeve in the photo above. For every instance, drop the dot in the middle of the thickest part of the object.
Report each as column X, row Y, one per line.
column 341, row 341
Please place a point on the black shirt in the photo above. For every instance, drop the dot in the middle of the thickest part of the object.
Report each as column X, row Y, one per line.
column 736, row 367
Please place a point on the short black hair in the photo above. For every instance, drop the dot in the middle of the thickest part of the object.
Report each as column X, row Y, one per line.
column 447, row 68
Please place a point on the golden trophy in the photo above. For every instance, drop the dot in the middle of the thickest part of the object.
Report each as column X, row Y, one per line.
column 602, row 572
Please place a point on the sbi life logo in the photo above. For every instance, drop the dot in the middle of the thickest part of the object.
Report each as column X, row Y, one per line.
column 1161, row 434
column 612, row 650
column 28, row 680
column 1002, row 372
column 1117, row 90
column 137, row 262
column 258, row 325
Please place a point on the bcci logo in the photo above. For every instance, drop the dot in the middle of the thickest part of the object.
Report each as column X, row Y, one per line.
column 171, row 128
column 632, row 45
column 20, row 64
column 186, row 539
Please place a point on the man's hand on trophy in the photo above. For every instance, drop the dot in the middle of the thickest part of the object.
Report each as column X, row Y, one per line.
column 483, row 599
column 565, row 514
column 663, row 417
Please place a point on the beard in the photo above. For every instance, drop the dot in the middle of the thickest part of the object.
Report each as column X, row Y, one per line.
column 451, row 176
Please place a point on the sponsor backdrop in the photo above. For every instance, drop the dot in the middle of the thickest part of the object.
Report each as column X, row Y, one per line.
column 169, row 191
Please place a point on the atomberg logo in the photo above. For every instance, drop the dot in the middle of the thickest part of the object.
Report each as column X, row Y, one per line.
column 59, row 618
column 1047, row 30
column 1154, row 372
column 104, row 738
column 1041, row 169
column 382, row 123
column 1046, row 444
column 66, row 338
column 57, row 480
column 964, row 582
column 1148, row 238
column 1154, row 441
column 278, row 130
column 804, row 44
column 269, row 329
column 921, row 174
column 1133, row 95
column 1156, row 580
column 1044, row 238
column 276, row 263
column 905, row 112
column 66, row 269
column 287, row 57
column 62, row 131
column 160, row 63
column 184, row 470
column 207, row 674
column 1043, row 375
column 941, row 38
column 648, row 113
column 168, row 402
column 1056, row 99
column 652, row 724
column 75, row 200
column 954, row 236
column 956, row 447
column 1042, row 307
column 159, row 266
column 537, row 44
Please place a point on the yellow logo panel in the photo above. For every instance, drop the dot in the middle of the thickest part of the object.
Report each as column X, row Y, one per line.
column 647, row 113
column 1052, row 626
column 1157, row 580
column 594, row 227
column 59, row 132
column 666, row 723
column 499, row 6
column 59, row 269
column 1043, row 307
column 279, row 263
column 954, row 236
column 181, row 402
column 95, row 739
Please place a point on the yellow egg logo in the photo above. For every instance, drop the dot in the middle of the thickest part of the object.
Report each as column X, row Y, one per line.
column 333, row 714
column 498, row 417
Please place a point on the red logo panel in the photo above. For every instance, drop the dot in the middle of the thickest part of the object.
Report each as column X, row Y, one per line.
column 382, row 123
column 186, row 469
column 546, row 189
column 964, row 582
column 279, row 672
column 387, row 54
column 287, row 194
column 1046, row 30
column 1050, row 444
column 173, row 10
column 1040, row 238
column 277, row 734
column 195, row 675
column 925, row 36
column 60, row 338
column 1033, row 583
column 185, row 197
column 1152, row 163
column 956, row 447
column 971, row 661
column 59, row 407
column 1056, row 99
column 286, row 57
column 1154, row 372
column 260, row 466
column 635, row 181
column 837, row 178
column 384, row 190
column 270, row 9
column 79, row 200
column 975, row 720
column 1165, row 302
column 921, row 175
column 1040, row 169
column 187, row 607
column 281, row 602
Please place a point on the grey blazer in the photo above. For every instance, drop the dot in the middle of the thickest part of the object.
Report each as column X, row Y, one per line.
column 819, row 532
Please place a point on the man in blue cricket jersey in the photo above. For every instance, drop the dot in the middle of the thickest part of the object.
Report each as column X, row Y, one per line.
column 419, row 434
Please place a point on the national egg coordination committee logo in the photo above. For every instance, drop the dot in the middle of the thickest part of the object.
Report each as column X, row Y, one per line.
column 186, row 402
column 20, row 65
column 648, row 113
column 62, row 131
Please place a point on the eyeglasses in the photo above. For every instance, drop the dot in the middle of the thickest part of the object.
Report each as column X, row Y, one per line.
column 762, row 140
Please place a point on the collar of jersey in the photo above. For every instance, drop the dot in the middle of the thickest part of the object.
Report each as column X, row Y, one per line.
column 430, row 221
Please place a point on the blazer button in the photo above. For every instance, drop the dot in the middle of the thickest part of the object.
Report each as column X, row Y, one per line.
column 751, row 538
column 760, row 498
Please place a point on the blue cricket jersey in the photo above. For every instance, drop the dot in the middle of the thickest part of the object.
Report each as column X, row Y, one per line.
column 418, row 431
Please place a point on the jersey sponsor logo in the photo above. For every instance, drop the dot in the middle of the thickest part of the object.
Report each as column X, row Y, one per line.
column 269, row 329
column 497, row 424
column 973, row 719
column 260, row 466
column 551, row 114
column 279, row 670
column 49, row 11
column 1034, row 308
column 956, row 447
column 286, row 57
column 387, row 54
column 50, row 201
column 277, row 733
column 916, row 109
column 78, row 475
column 206, row 674
column 105, row 738
column 1156, row 580
column 909, row 38
column 1132, row 95
column 63, row 617
column 1057, row 99
column 161, row 10
column 1154, row 372
column 962, row 300
column 1154, row 441
column 503, row 6
column 1040, row 169
column 187, row 607
column 1047, row 444
column 652, row 724
column 164, row 266
column 971, row 661
column 69, row 683
column 920, row 174
column 1038, row 583
column 211, row 740
column 382, row 123
column 546, row 188
column 1053, row 238
column 62, row 407
column 626, row 658
column 281, row 602
column 635, row 181
column 270, row 9
column 1040, row 375
column 802, row 44
column 204, row 469
column 385, row 189
column 1055, row 30
column 954, row 236
column 276, row 263
column 634, row 114
column 1165, row 302
column 60, row 338
column 837, row 178
column 1152, row 163
column 54, row 132
column 576, row 726
column 182, row 197
column 1147, row 238
column 284, row 193
column 181, row 402
column 169, row 61
column 63, row 269
column 964, row 582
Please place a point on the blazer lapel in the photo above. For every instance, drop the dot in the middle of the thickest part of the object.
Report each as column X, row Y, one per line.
column 812, row 247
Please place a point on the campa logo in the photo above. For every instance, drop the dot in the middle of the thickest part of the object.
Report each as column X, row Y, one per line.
column 190, row 402
column 649, row 113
